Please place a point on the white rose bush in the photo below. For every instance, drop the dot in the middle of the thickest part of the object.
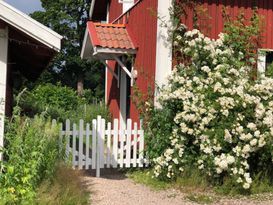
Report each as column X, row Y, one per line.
column 222, row 119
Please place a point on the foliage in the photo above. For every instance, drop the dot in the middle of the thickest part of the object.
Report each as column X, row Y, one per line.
column 65, row 188
column 68, row 18
column 245, row 36
column 31, row 153
column 200, row 198
column 221, row 119
column 88, row 113
column 269, row 71
column 146, row 178
column 55, row 96
column 157, row 132
column 61, row 103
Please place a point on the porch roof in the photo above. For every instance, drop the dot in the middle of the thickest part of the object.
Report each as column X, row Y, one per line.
column 105, row 40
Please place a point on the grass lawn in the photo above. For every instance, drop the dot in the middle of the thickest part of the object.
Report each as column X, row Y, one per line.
column 199, row 190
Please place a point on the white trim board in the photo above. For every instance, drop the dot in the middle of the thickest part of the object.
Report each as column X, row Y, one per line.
column 163, row 47
column 31, row 27
column 261, row 64
column 3, row 81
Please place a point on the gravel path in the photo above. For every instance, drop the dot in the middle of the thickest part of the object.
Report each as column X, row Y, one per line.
column 114, row 188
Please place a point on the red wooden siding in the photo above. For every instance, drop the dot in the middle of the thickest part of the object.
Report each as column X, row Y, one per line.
column 211, row 21
column 112, row 91
column 115, row 10
column 142, row 25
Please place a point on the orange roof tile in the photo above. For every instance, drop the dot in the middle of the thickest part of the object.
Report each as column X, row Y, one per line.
column 110, row 36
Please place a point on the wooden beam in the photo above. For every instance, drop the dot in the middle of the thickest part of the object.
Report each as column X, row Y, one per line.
column 3, row 82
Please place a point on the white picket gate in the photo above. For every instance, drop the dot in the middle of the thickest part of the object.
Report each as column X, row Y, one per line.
column 102, row 145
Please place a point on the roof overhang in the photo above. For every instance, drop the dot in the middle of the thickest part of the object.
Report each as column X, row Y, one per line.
column 90, row 52
column 109, row 42
column 29, row 26
column 96, row 48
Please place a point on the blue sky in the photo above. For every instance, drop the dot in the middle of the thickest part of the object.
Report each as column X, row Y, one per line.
column 27, row 6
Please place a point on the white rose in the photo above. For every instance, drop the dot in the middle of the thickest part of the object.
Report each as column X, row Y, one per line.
column 230, row 159
column 253, row 142
column 246, row 186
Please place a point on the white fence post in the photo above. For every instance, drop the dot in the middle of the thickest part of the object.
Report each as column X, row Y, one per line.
column 102, row 140
column 67, row 138
column 81, row 144
column 94, row 143
column 128, row 143
column 109, row 134
column 121, row 150
column 74, row 135
column 135, row 146
column 141, row 148
column 115, row 144
column 98, row 146
column 87, row 146
column 61, row 139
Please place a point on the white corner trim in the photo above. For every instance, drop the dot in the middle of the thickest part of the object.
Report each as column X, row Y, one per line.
column 261, row 64
column 29, row 26
column 3, row 81
column 86, row 45
column 163, row 47
column 92, row 8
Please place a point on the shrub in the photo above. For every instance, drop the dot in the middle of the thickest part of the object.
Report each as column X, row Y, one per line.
column 50, row 95
column 61, row 103
column 222, row 120
column 88, row 113
column 31, row 153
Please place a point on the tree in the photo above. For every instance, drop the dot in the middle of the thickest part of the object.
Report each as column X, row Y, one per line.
column 68, row 18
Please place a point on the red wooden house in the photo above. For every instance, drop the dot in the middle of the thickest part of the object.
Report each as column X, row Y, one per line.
column 121, row 27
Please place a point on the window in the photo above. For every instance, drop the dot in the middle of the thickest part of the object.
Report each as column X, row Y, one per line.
column 265, row 63
column 127, row 4
column 125, row 1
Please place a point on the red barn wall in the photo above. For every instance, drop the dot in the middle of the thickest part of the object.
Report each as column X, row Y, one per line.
column 211, row 20
column 115, row 10
column 112, row 91
column 142, row 25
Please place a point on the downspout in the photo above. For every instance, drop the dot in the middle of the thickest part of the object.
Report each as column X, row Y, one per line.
column 92, row 8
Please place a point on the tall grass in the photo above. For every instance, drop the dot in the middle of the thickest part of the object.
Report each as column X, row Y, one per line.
column 65, row 188
column 30, row 156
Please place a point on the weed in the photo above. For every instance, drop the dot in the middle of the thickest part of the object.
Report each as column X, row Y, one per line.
column 200, row 198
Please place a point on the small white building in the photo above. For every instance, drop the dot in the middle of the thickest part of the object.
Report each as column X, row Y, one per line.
column 26, row 47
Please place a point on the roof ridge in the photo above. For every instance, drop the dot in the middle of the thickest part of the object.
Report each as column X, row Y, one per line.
column 110, row 25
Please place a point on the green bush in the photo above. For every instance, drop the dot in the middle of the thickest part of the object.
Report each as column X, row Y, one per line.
column 50, row 95
column 60, row 103
column 31, row 153
column 88, row 113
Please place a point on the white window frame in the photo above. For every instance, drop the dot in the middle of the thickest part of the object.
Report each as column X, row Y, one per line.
column 261, row 64
column 127, row 4
column 125, row 1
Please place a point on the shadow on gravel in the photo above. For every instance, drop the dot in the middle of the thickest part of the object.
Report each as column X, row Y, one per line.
column 112, row 174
